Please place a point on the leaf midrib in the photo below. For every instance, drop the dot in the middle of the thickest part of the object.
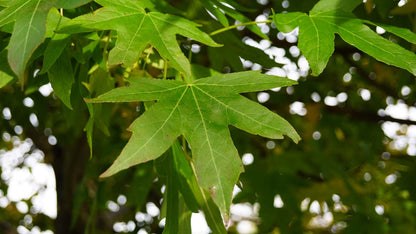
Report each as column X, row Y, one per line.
column 13, row 12
column 30, row 25
column 318, row 47
column 125, row 94
column 133, row 38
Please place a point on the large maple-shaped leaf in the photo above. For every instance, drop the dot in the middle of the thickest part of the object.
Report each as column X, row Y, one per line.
column 200, row 111
column 317, row 32
column 137, row 28
column 29, row 28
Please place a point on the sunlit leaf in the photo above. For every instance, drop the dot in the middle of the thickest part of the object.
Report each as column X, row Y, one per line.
column 154, row 28
column 200, row 111
column 316, row 35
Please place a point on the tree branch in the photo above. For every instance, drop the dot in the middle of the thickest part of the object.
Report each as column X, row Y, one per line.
column 366, row 115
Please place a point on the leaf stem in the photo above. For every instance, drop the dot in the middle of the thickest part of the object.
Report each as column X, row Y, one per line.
column 105, row 51
column 147, row 57
column 165, row 70
column 239, row 25
column 184, row 149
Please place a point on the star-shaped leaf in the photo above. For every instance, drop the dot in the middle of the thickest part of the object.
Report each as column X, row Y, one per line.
column 29, row 28
column 317, row 33
column 200, row 111
column 137, row 28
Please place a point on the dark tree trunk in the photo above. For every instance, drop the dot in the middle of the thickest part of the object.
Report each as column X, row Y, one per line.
column 69, row 166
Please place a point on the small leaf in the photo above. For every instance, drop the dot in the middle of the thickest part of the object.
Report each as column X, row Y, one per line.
column 216, row 12
column 57, row 43
column 201, row 111
column 6, row 74
column 5, row 79
column 316, row 41
column 61, row 77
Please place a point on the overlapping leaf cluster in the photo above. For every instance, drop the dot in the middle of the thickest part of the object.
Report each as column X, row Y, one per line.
column 89, row 53
column 200, row 111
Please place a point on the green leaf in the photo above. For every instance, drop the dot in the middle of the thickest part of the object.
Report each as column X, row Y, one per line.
column 5, row 78
column 171, row 196
column 57, row 43
column 100, row 82
column 192, row 192
column 61, row 77
column 365, row 39
column 188, row 184
column 316, row 35
column 404, row 33
column 185, row 217
column 316, row 41
column 29, row 27
column 219, row 10
column 6, row 74
column 200, row 111
column 154, row 28
column 335, row 5
column 216, row 12
column 240, row 18
column 288, row 22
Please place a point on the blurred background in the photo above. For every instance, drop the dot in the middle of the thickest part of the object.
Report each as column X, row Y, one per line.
column 353, row 171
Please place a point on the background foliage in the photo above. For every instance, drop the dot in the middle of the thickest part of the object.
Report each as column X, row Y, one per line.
column 352, row 172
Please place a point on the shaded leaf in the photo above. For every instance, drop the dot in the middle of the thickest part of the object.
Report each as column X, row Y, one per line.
column 192, row 192
column 219, row 10
column 61, row 77
column 57, row 43
column 99, row 83
column 407, row 8
column 29, row 27
column 6, row 74
column 171, row 196
column 233, row 49
column 201, row 111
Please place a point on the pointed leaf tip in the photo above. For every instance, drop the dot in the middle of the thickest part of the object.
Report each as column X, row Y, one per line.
column 201, row 111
